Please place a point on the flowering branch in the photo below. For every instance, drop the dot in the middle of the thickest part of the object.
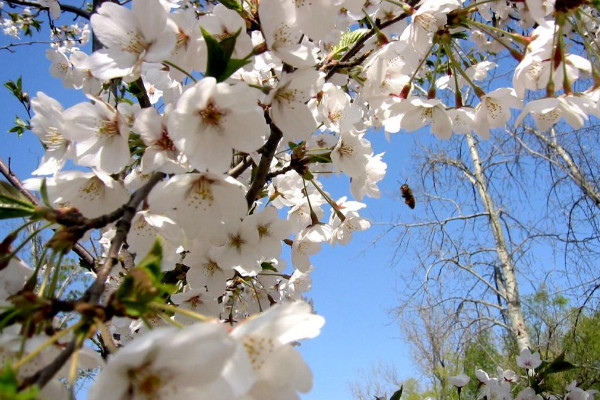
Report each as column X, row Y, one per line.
column 94, row 292
column 86, row 258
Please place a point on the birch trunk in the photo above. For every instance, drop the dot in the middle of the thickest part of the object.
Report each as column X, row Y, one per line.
column 508, row 280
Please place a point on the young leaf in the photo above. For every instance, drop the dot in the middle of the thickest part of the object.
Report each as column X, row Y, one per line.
column 13, row 204
column 347, row 40
column 216, row 62
column 9, row 386
column 220, row 65
column 142, row 285
column 232, row 5
column 44, row 193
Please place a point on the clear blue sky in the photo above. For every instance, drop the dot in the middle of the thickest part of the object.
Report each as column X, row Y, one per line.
column 354, row 287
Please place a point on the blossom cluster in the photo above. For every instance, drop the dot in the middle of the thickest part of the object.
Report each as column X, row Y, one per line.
column 235, row 113
column 509, row 385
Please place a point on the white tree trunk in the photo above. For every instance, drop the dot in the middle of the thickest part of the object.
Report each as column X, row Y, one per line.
column 509, row 285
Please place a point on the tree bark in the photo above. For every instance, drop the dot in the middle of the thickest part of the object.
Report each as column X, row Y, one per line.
column 509, row 285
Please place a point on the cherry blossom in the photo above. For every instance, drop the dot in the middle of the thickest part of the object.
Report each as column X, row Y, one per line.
column 211, row 119
column 130, row 36
column 529, row 360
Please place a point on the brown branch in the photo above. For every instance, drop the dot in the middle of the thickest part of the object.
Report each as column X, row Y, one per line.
column 44, row 375
column 332, row 65
column 262, row 171
column 240, row 167
column 64, row 7
column 86, row 258
column 93, row 293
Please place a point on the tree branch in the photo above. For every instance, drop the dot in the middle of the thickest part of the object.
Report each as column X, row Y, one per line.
column 262, row 171
column 93, row 293
column 64, row 7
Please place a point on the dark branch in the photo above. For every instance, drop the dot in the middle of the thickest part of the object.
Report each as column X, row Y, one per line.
column 262, row 171
column 64, row 7
column 93, row 293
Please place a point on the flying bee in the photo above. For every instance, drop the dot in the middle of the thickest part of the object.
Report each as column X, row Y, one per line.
column 407, row 195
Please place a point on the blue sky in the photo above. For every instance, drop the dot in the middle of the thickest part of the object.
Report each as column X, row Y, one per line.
column 354, row 287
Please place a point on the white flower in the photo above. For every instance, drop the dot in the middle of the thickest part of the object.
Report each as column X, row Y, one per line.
column 161, row 154
column 285, row 190
column 200, row 203
column 482, row 376
column 53, row 6
column 223, row 22
column 462, row 119
column 366, row 183
column 266, row 339
column 100, row 133
column 47, row 124
column 353, row 222
column 204, row 272
column 145, row 228
column 130, row 36
column 170, row 363
column 308, row 242
column 282, row 34
column 528, row 394
column 535, row 69
column 211, row 119
column 197, row 300
column 300, row 214
column 528, row 360
column 351, row 154
column 494, row 110
column 271, row 231
column 416, row 113
column 92, row 193
column 239, row 250
column 426, row 21
column 12, row 279
column 189, row 53
column 459, row 380
column 577, row 393
column 288, row 103
column 548, row 111
column 329, row 108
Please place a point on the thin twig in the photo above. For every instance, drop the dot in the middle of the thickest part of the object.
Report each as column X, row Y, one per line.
column 64, row 7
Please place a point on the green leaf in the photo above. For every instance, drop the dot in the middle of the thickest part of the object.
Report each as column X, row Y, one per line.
column 347, row 40
column 13, row 204
column 142, row 285
column 232, row 65
column 397, row 394
column 228, row 44
column 44, row 193
column 268, row 267
column 220, row 65
column 320, row 158
column 9, row 386
column 216, row 56
column 232, row 5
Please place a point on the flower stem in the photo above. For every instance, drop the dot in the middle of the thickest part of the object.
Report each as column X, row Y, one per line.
column 53, row 339
column 178, row 310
